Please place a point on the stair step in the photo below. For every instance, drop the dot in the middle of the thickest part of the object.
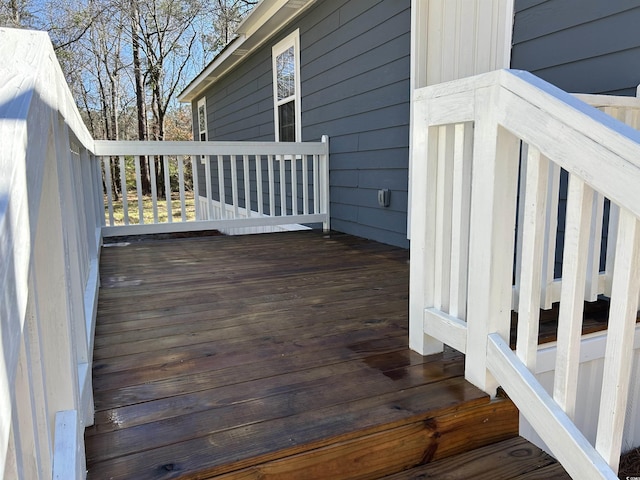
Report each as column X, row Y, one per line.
column 388, row 448
column 512, row 459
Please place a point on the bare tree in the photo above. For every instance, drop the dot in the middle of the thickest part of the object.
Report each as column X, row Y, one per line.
column 226, row 15
column 126, row 60
column 166, row 38
column 141, row 105
column 104, row 44
column 16, row 14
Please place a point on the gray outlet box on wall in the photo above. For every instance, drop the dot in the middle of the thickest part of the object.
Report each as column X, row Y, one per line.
column 384, row 197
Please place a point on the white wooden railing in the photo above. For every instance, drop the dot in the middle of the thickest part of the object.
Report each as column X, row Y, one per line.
column 232, row 185
column 54, row 179
column 603, row 220
column 469, row 137
column 50, row 223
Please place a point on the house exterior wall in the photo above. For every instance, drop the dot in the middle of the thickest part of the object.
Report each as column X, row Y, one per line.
column 240, row 105
column 581, row 46
column 355, row 65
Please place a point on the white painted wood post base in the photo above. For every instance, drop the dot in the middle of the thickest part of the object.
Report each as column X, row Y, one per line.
column 69, row 460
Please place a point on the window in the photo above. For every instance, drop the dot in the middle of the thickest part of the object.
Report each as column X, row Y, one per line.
column 286, row 89
column 202, row 119
column 202, row 123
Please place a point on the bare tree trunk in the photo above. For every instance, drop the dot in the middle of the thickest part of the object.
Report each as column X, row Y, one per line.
column 140, row 100
column 15, row 13
column 158, row 135
column 115, row 130
column 165, row 188
column 106, row 119
column 92, row 126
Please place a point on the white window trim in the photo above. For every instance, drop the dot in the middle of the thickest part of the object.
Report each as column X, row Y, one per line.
column 202, row 103
column 292, row 40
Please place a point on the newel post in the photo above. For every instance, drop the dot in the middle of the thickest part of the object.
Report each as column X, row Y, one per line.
column 492, row 231
column 449, row 40
column 325, row 186
column 424, row 161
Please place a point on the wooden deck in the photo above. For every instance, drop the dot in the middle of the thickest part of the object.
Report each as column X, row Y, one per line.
column 272, row 356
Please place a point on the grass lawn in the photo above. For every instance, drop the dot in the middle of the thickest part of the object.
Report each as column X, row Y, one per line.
column 147, row 209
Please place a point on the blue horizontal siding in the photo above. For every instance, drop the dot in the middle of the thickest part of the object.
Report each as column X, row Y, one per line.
column 536, row 18
column 355, row 88
column 585, row 46
column 363, row 197
column 355, row 84
column 389, row 158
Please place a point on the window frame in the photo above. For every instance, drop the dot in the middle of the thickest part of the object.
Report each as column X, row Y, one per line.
column 202, row 102
column 292, row 40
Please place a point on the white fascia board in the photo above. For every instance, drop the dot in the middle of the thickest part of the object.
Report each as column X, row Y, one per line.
column 264, row 21
column 262, row 12
column 210, row 72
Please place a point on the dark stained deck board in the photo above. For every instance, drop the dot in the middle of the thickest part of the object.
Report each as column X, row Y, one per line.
column 266, row 321
column 250, row 402
column 206, row 364
column 211, row 351
column 203, row 394
column 310, row 332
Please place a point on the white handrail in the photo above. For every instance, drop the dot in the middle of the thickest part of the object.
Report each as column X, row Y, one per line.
column 232, row 192
column 49, row 243
column 511, row 116
column 627, row 110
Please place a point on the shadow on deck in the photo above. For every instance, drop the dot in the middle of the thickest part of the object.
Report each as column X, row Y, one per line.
column 279, row 356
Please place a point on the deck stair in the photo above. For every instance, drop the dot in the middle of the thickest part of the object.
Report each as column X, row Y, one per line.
column 371, row 438
column 513, row 459
column 289, row 362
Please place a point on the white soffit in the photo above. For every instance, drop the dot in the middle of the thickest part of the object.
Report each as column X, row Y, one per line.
column 264, row 21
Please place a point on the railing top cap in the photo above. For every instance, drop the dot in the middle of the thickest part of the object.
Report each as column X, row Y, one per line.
column 113, row 148
column 575, row 135
column 30, row 70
